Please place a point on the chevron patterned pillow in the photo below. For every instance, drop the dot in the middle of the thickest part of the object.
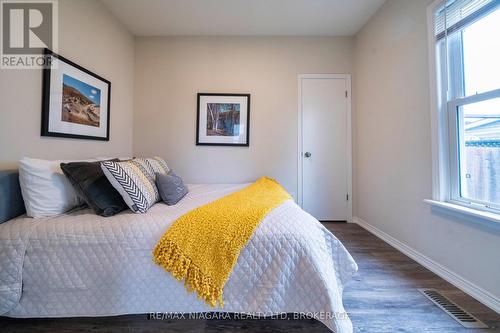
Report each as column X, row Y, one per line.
column 135, row 181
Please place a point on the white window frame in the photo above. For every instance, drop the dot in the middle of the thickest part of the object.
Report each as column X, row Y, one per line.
column 444, row 132
column 455, row 175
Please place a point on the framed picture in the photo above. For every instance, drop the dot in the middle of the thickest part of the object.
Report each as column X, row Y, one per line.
column 223, row 120
column 76, row 102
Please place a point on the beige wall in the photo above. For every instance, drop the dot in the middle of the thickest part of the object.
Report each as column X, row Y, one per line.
column 170, row 71
column 391, row 121
column 90, row 36
column 393, row 149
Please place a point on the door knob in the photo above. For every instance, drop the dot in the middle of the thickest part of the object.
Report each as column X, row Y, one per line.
column 307, row 154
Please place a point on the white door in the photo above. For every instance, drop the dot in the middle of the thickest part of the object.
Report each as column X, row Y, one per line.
column 325, row 155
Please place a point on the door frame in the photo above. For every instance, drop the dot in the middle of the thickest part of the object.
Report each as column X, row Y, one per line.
column 347, row 78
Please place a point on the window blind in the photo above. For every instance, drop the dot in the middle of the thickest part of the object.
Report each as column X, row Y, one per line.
column 455, row 14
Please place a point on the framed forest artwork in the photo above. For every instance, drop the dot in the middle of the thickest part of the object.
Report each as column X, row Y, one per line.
column 223, row 120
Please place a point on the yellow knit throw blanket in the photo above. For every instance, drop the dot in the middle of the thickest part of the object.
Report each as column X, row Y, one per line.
column 203, row 245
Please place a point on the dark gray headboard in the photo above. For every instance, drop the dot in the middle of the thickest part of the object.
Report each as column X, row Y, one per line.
column 11, row 199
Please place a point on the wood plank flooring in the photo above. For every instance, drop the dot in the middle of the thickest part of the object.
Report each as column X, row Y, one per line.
column 381, row 298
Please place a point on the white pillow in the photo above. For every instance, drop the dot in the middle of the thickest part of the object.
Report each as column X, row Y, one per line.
column 46, row 190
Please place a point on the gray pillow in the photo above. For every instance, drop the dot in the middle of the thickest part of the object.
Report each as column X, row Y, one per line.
column 171, row 187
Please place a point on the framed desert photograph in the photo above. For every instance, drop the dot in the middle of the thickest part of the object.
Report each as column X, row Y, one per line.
column 223, row 120
column 76, row 102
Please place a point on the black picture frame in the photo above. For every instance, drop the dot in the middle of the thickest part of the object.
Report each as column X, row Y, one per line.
column 46, row 95
column 198, row 111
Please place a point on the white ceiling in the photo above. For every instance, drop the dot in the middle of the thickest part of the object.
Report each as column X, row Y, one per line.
column 243, row 17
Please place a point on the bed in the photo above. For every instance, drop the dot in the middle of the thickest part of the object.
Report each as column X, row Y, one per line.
column 81, row 264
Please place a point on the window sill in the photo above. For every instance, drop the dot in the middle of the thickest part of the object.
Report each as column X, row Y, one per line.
column 487, row 216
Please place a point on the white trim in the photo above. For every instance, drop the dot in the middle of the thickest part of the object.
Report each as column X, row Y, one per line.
column 445, row 140
column 324, row 76
column 460, row 208
column 461, row 283
column 347, row 78
column 438, row 138
column 457, row 170
column 299, row 142
column 349, row 148
column 476, row 98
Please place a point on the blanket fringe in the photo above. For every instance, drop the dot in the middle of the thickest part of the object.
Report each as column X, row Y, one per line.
column 169, row 256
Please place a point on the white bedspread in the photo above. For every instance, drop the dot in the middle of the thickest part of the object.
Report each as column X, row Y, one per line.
column 80, row 264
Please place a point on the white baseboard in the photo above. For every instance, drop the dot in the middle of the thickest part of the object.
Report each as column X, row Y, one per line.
column 466, row 286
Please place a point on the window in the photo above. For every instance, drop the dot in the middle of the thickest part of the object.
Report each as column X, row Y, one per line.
column 467, row 44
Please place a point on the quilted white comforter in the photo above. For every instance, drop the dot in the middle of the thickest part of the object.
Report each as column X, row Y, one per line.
column 80, row 264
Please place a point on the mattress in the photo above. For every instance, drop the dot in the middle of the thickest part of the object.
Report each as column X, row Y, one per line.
column 81, row 264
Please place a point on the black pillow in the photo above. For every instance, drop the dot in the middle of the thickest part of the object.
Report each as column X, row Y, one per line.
column 92, row 185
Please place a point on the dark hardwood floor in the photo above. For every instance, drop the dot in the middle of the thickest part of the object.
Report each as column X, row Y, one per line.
column 381, row 298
